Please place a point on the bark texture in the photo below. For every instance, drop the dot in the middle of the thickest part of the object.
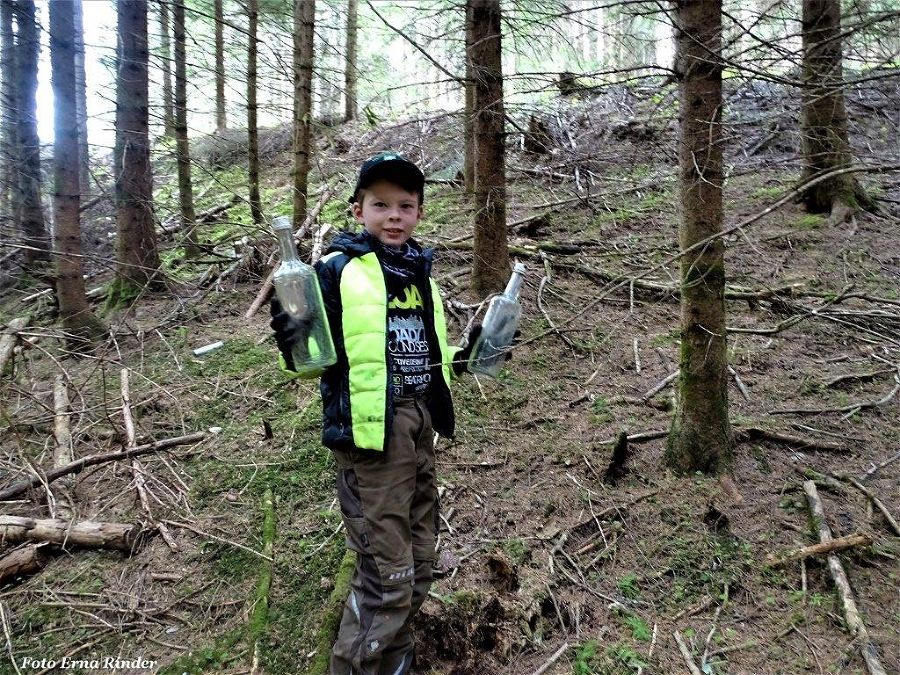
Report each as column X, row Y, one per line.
column 137, row 256
column 84, row 154
column 469, row 111
column 182, row 145
column 74, row 311
column 304, row 36
column 350, row 65
column 8, row 135
column 824, row 116
column 700, row 438
column 118, row 536
column 490, row 269
column 252, row 131
column 165, row 46
column 31, row 215
column 221, row 120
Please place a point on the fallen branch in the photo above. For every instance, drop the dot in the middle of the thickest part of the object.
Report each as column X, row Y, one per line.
column 878, row 467
column 553, row 659
column 872, row 498
column 851, row 408
column 8, row 341
column 744, row 434
column 862, row 377
column 686, row 653
column 851, row 613
column 89, row 534
column 137, row 471
column 79, row 465
column 259, row 617
column 833, row 546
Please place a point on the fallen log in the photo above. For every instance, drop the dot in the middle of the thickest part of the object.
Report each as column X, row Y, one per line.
column 835, row 545
column 89, row 534
column 331, row 615
column 24, row 560
column 851, row 613
column 8, row 341
column 259, row 617
column 79, row 465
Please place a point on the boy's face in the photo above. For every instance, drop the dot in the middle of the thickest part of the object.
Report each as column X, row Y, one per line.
column 388, row 212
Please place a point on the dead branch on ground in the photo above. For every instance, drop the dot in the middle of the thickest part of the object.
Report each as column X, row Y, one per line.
column 79, row 465
column 851, row 613
column 833, row 546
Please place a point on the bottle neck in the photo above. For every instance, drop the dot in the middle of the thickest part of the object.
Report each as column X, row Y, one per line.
column 513, row 285
column 286, row 243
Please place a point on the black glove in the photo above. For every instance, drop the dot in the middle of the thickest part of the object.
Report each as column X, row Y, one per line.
column 288, row 331
column 461, row 361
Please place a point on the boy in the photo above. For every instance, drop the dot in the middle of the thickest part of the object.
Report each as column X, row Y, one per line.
column 382, row 401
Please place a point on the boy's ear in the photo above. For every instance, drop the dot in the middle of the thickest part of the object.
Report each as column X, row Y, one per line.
column 356, row 210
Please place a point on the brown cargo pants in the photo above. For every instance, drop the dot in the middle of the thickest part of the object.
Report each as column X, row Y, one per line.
column 389, row 507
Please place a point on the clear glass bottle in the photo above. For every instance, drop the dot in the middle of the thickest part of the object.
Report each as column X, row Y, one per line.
column 498, row 328
column 297, row 287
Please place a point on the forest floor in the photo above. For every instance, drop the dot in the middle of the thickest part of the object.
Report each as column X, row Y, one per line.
column 547, row 541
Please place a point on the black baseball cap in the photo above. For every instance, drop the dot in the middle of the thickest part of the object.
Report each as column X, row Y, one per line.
column 393, row 167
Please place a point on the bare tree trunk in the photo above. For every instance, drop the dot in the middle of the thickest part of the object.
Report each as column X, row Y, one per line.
column 700, row 439
column 31, row 215
column 304, row 36
column 350, row 65
column 9, row 176
column 165, row 28
column 84, row 150
column 183, row 150
column 490, row 268
column 252, row 131
column 824, row 120
column 221, row 119
column 137, row 255
column 74, row 311
column 469, row 112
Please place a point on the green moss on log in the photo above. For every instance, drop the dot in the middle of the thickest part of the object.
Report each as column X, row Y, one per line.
column 331, row 616
column 260, row 614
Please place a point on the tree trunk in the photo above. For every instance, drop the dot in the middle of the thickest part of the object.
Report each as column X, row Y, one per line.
column 183, row 150
column 165, row 28
column 304, row 36
column 252, row 131
column 9, row 176
column 74, row 311
column 490, row 269
column 31, row 215
column 137, row 255
column 700, row 438
column 221, row 120
column 824, row 118
column 84, row 150
column 469, row 112
column 350, row 66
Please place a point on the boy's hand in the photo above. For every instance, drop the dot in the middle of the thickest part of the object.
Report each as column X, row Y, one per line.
column 287, row 331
